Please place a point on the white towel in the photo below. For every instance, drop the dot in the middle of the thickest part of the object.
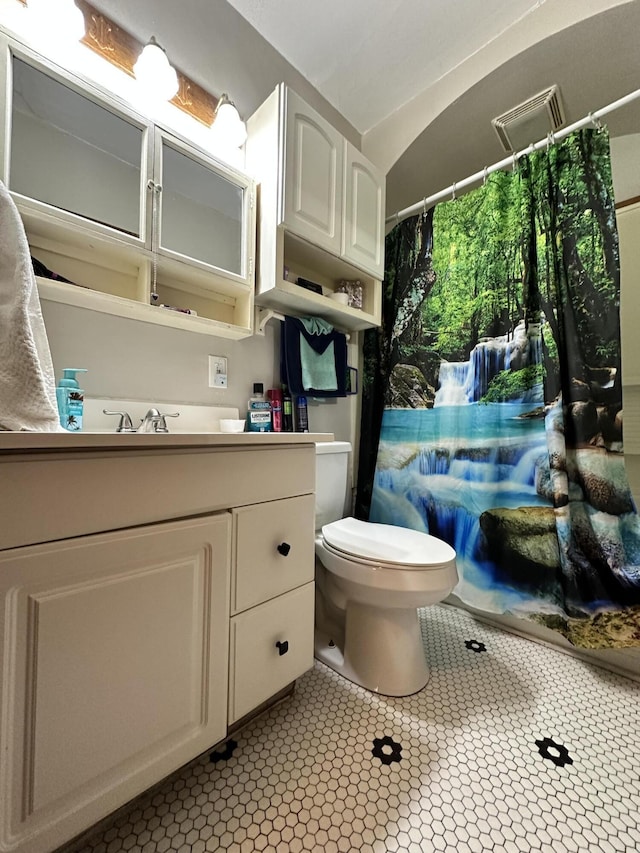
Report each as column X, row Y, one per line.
column 27, row 381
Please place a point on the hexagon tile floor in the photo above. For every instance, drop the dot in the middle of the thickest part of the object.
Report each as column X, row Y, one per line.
column 511, row 747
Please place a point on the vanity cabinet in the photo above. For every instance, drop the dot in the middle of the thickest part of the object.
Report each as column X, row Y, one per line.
column 321, row 212
column 135, row 216
column 138, row 624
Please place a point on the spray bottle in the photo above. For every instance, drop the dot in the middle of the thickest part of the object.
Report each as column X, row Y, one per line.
column 287, row 411
column 302, row 415
column 275, row 398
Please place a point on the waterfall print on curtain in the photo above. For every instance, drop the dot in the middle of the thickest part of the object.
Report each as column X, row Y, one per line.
column 496, row 382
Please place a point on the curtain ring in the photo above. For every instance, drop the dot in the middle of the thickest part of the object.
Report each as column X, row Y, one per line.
column 551, row 140
column 595, row 121
column 485, row 176
column 453, row 191
column 515, row 162
column 424, row 206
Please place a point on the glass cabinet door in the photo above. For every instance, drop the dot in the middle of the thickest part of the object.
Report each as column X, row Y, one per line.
column 203, row 210
column 74, row 154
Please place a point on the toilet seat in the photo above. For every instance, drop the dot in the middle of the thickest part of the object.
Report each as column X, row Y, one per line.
column 386, row 546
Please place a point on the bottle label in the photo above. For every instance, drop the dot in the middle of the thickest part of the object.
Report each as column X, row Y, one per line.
column 259, row 416
column 276, row 415
column 74, row 409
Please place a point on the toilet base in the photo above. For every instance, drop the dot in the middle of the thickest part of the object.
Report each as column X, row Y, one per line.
column 382, row 651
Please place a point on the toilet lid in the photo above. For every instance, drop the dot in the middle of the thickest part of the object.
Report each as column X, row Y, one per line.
column 385, row 543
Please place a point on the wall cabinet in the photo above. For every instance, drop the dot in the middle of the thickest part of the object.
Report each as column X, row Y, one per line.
column 321, row 212
column 116, row 663
column 134, row 215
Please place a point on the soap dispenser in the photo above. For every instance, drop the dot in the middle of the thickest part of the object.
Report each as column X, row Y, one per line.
column 70, row 399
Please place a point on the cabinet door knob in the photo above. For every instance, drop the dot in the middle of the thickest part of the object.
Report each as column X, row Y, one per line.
column 282, row 647
column 284, row 548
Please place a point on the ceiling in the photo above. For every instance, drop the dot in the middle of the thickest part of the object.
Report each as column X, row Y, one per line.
column 368, row 58
column 414, row 82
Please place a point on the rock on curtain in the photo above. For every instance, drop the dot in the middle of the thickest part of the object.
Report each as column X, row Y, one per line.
column 492, row 401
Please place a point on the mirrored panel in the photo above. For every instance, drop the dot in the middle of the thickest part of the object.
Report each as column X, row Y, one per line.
column 72, row 153
column 201, row 211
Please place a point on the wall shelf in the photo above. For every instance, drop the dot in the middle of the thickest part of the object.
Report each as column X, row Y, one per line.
column 118, row 306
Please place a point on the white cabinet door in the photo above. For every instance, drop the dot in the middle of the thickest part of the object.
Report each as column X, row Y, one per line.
column 114, row 651
column 70, row 153
column 271, row 646
column 312, row 175
column 363, row 214
column 205, row 210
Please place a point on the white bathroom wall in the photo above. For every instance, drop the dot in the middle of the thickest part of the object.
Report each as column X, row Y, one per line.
column 126, row 359
column 625, row 156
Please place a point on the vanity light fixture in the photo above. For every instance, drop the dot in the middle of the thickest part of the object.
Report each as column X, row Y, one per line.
column 227, row 125
column 155, row 73
column 59, row 19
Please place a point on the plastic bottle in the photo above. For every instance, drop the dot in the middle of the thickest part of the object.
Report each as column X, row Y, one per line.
column 70, row 398
column 258, row 410
column 287, row 411
column 302, row 415
column 275, row 398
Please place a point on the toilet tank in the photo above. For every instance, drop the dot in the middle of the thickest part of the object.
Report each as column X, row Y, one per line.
column 332, row 486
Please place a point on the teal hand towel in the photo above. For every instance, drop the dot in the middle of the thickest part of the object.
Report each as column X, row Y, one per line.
column 316, row 326
column 318, row 369
column 323, row 377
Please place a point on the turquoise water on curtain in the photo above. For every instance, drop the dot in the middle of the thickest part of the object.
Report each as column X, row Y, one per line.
column 472, row 421
column 439, row 469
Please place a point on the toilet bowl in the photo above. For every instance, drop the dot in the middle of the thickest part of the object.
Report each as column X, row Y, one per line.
column 370, row 581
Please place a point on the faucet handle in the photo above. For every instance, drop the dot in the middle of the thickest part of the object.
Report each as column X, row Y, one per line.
column 125, row 424
column 161, row 425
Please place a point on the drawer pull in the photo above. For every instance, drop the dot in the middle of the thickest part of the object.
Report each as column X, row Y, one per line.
column 284, row 548
column 282, row 647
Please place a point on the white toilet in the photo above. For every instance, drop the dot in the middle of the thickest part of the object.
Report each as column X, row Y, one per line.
column 370, row 580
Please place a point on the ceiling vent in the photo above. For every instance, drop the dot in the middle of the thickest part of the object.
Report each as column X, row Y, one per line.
column 531, row 120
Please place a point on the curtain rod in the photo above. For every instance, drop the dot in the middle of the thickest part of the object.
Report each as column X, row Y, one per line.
column 592, row 118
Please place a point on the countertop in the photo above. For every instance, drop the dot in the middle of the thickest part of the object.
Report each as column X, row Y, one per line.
column 29, row 442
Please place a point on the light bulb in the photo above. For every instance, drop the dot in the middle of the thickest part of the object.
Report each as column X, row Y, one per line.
column 155, row 73
column 228, row 127
column 58, row 20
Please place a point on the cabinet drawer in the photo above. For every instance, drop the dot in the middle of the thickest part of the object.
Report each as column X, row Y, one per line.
column 261, row 570
column 259, row 668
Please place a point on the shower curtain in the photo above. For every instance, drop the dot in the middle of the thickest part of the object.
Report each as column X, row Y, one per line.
column 492, row 401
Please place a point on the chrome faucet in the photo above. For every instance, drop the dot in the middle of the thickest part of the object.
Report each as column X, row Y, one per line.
column 154, row 421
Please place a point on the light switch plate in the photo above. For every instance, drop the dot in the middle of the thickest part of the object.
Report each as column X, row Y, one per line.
column 217, row 371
